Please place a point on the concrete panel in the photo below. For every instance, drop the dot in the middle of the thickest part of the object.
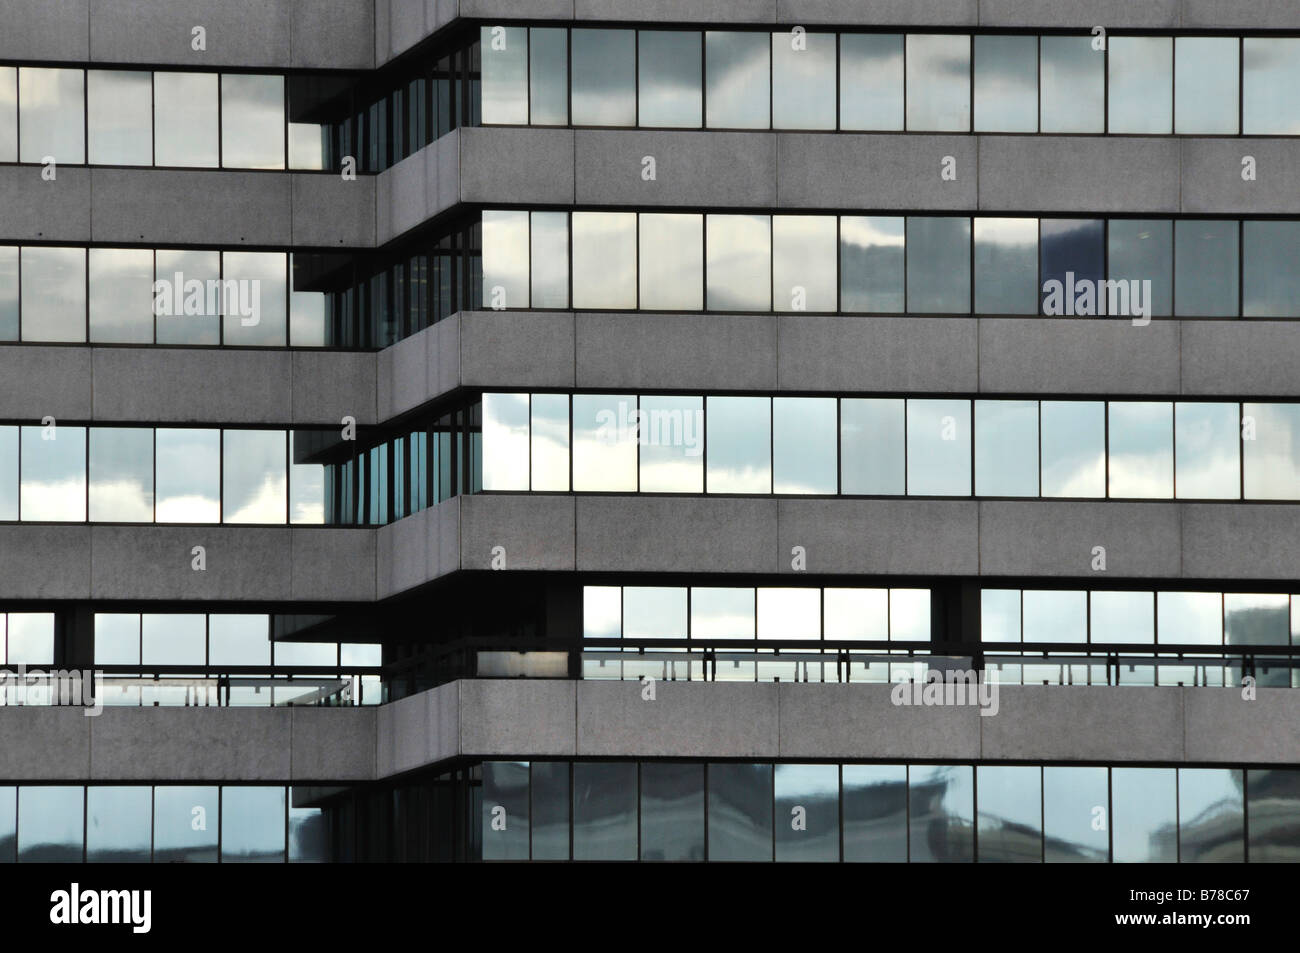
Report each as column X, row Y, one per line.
column 329, row 385
column 537, row 532
column 678, row 534
column 332, row 744
column 686, row 720
column 38, row 561
column 332, row 34
column 45, row 744
column 442, row 357
column 676, row 11
column 406, row 737
column 1237, row 541
column 239, row 32
column 1153, row 14
column 701, row 352
column 525, row 166
column 401, row 195
column 706, row 169
column 507, row 717
column 1084, row 723
column 183, row 385
column 403, row 377
column 36, row 30
column 861, row 721
column 331, row 564
column 1233, row 14
column 834, row 353
column 1078, row 174
column 330, row 211
column 154, row 562
column 509, row 9
column 191, row 207
column 444, row 538
column 516, row 349
column 850, row 170
column 1212, row 182
column 1078, row 356
column 191, row 744
column 36, row 381
column 402, row 554
column 887, row 537
column 1219, row 725
column 35, row 209
column 1241, row 358
column 879, row 12
column 406, row 26
column 1043, row 538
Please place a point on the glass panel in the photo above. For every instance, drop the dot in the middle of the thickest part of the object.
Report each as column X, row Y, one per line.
column 54, row 294
column 1206, row 84
column 121, row 474
column 186, row 305
column 807, row 812
column 604, row 260
column 871, row 81
column 185, row 825
column 1270, row 269
column 1073, row 448
column 1190, row 617
column 1272, row 449
column 53, row 474
column 670, row 85
column 1272, row 805
column 505, row 83
column 252, row 825
column 725, row 614
column 871, row 446
column 121, row 295
column 550, row 441
column 173, row 639
column 942, row 813
column 50, row 824
column 505, row 442
column 1141, row 251
column 803, row 262
column 550, row 810
column 189, row 476
column 739, row 262
column 252, row 121
column 1076, row 811
column 1072, row 85
column 8, row 473
column 51, row 113
column 1145, row 815
column 1205, row 268
column 8, row 824
column 909, row 615
column 803, row 80
column 604, row 442
column 1000, row 622
column 549, row 73
column 859, row 615
column 119, row 824
column 120, row 116
column 654, row 612
column 238, row 639
column 672, row 262
column 1072, row 265
column 117, row 638
column 1006, row 448
column 255, row 297
column 307, row 482
column 938, row 448
column 31, row 638
column 9, row 322
column 789, row 613
column 549, row 261
column 938, row 265
column 739, row 439
column 185, row 119
column 875, row 813
column 672, row 447
column 871, row 264
column 1055, row 615
column 505, row 810
column 1141, row 449
column 1141, row 84
column 1271, row 66
column 309, row 835
column 254, row 477
column 1010, row 814
column 604, row 77
column 739, row 80
column 604, row 811
column 1207, row 450
column 740, row 812
column 1127, row 618
column 1006, row 265
column 803, row 445
column 938, row 82
column 505, row 259
column 1006, row 84
column 8, row 117
column 1211, row 816
column 672, row 811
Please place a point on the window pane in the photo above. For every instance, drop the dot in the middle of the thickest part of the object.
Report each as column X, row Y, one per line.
column 1273, row 451
column 120, row 117
column 1073, row 85
column 1073, row 264
column 803, row 80
column 173, row 639
column 117, row 638
column 8, row 473
column 505, row 81
column 8, row 291
column 1211, row 816
column 51, row 106
column 50, row 824
column 1010, row 814
column 549, row 73
column 871, row 264
column 938, row 82
column 807, row 812
column 1190, row 617
column 31, row 638
column 604, row 260
column 670, row 85
column 550, row 810
column 871, row 446
column 740, row 812
column 252, row 121
column 722, row 613
column 938, row 448
column 604, row 442
column 185, row 119
column 1270, row 269
column 1006, row 84
column 942, row 802
column 505, row 259
column 550, row 442
column 1127, row 617
column 1006, row 266
column 856, row 615
column 999, row 615
column 1074, row 448
column 875, row 813
column 672, row 262
column 505, row 810
column 604, row 811
column 1145, row 815
column 185, row 824
column 121, row 295
column 804, row 444
column 119, row 824
column 189, row 476
column 1271, row 68
column 739, row 80
column 53, row 474
column 255, row 297
column 1141, row 84
column 238, row 639
column 871, row 81
column 254, row 486
column 8, row 824
column 672, row 811
column 1076, row 811
column 803, row 262
column 604, row 77
column 309, row 835
column 1141, row 449
column 54, row 294
column 186, row 313
column 252, row 825
column 549, row 260
column 121, row 474
column 1272, row 807
column 1205, row 268
column 739, row 442
column 739, row 262
column 1206, row 84
column 1006, row 448
column 1207, row 449
column 1055, row 615
column 938, row 265
column 306, row 481
column 672, row 450
column 1141, row 251
column 8, row 114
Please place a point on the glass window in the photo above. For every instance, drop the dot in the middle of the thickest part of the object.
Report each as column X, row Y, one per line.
column 739, row 80
column 9, row 323
column 875, row 813
column 1270, row 269
column 909, row 615
column 252, row 824
column 1145, row 815
column 1271, row 66
column 1006, row 265
column 858, row 615
column 1141, row 449
column 53, row 474
column 550, row 442
column 672, row 811
column 803, row 445
column 1256, row 618
column 871, row 81
column 1052, row 615
column 938, row 265
column 871, row 264
column 8, row 824
column 740, row 812
column 307, row 481
column 739, row 439
column 549, row 261
column 121, row 474
column 1205, row 268
column 789, row 613
column 604, row 442
column 604, row 260
column 252, row 121
column 725, row 613
column 803, row 80
column 185, row 824
column 50, row 824
column 505, row 83
column 173, row 639
column 1206, row 84
column 1010, row 814
column 52, row 114
column 121, row 295
column 117, row 638
column 938, row 82
column 1073, row 448
column 739, row 262
column 1006, row 84
column 807, row 812
column 938, row 448
column 1073, row 97
column 999, row 615
column 54, row 294
column 1072, row 265
column 255, row 297
column 185, row 120
column 505, row 259
column 803, row 262
column 1127, row 617
column 1211, row 816
column 8, row 115
column 254, row 476
column 8, row 473
column 185, row 311
column 119, row 824
column 672, row 262
column 1190, row 617
column 1076, row 815
column 654, row 612
column 309, row 834
column 670, row 87
column 602, row 612
column 1272, row 805
column 548, row 70
column 942, row 813
column 189, row 476
column 604, row 811
column 550, row 810
column 672, row 450
column 872, row 447
column 1272, row 450
column 31, row 638
column 1006, row 448
column 1141, row 250
column 119, row 115
column 505, row 810
column 235, row 639
column 1207, row 451
column 604, row 77
column 1141, row 84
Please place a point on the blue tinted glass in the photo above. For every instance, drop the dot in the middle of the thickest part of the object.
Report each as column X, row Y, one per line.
column 1073, row 262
